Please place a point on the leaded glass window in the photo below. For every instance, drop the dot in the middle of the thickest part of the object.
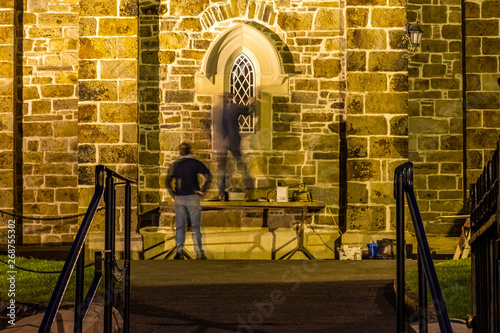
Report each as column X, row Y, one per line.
column 243, row 87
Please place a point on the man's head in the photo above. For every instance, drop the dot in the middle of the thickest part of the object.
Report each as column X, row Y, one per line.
column 184, row 149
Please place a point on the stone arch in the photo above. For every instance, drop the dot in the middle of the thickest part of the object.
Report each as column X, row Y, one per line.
column 271, row 78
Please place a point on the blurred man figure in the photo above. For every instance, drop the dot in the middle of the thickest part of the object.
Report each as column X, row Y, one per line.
column 187, row 195
column 232, row 140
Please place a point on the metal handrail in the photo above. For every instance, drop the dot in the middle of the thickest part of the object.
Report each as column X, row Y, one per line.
column 403, row 183
column 76, row 255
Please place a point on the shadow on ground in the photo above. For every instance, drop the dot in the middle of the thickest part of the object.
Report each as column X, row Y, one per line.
column 260, row 297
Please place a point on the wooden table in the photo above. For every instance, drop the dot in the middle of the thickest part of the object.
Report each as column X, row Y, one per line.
column 312, row 206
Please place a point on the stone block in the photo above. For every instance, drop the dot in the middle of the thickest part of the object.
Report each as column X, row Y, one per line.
column 485, row 138
column 173, row 40
column 88, row 133
column 112, row 26
column 482, row 27
column 282, row 170
column 118, row 112
column 86, row 154
column 326, row 68
column 127, row 91
column 41, row 107
column 97, row 48
column 126, row 47
column 287, row 143
column 37, row 129
column 118, row 69
column 357, row 17
column 176, row 96
column 320, row 117
column 57, row 19
column 388, row 17
column 363, row 82
column 295, row 21
column 399, row 83
column 451, row 142
column 307, row 85
column 169, row 141
column 57, row 90
column 191, row 8
column 433, row 46
column 118, row 154
column 357, row 147
column 356, row 61
column 355, row 104
column 428, row 126
column 387, row 61
column 61, row 181
column 329, row 172
column 369, row 39
column 445, row 84
column 88, row 26
column 399, row 125
column 491, row 46
column 87, row 69
column 490, row 82
column 440, row 182
column 451, row 31
column 363, row 170
column 366, row 125
column 448, row 108
column 367, row 3
column 388, row 147
column 98, row 8
column 486, row 64
column 386, row 103
column 193, row 54
column 6, row 179
column 304, row 98
column 434, row 14
column 98, row 91
column 190, row 24
column 87, row 113
column 357, row 193
column 491, row 119
column 328, row 19
column 483, row 100
column 320, row 142
column 490, row 9
column 435, row 70
column 382, row 193
column 366, row 218
column 66, row 128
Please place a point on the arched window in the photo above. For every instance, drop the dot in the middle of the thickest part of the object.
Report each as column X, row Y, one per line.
column 243, row 86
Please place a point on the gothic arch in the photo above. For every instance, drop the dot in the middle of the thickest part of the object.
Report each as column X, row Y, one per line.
column 271, row 79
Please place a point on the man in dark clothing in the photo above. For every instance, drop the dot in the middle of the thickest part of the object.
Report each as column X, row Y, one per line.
column 232, row 140
column 187, row 194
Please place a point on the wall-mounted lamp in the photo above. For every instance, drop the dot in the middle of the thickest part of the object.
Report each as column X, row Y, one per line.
column 414, row 34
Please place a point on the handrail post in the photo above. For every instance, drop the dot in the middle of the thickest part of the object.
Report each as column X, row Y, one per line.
column 80, row 268
column 108, row 247
column 126, row 286
column 422, row 297
column 400, row 275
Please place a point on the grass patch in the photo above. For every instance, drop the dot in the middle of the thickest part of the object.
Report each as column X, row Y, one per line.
column 37, row 287
column 455, row 281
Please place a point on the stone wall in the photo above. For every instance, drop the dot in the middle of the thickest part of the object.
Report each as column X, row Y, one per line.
column 483, row 85
column 107, row 109
column 435, row 108
column 304, row 146
column 49, row 123
column 6, row 111
column 377, row 105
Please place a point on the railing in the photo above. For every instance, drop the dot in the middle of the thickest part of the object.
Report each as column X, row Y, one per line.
column 485, row 248
column 403, row 186
column 76, row 258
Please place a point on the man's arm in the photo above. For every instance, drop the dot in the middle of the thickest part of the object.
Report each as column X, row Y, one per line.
column 170, row 176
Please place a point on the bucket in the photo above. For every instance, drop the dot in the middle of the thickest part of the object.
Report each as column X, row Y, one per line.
column 372, row 250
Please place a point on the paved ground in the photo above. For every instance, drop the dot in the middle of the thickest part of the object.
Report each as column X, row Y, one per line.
column 263, row 296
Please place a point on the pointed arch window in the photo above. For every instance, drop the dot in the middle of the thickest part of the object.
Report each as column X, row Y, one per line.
column 242, row 86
